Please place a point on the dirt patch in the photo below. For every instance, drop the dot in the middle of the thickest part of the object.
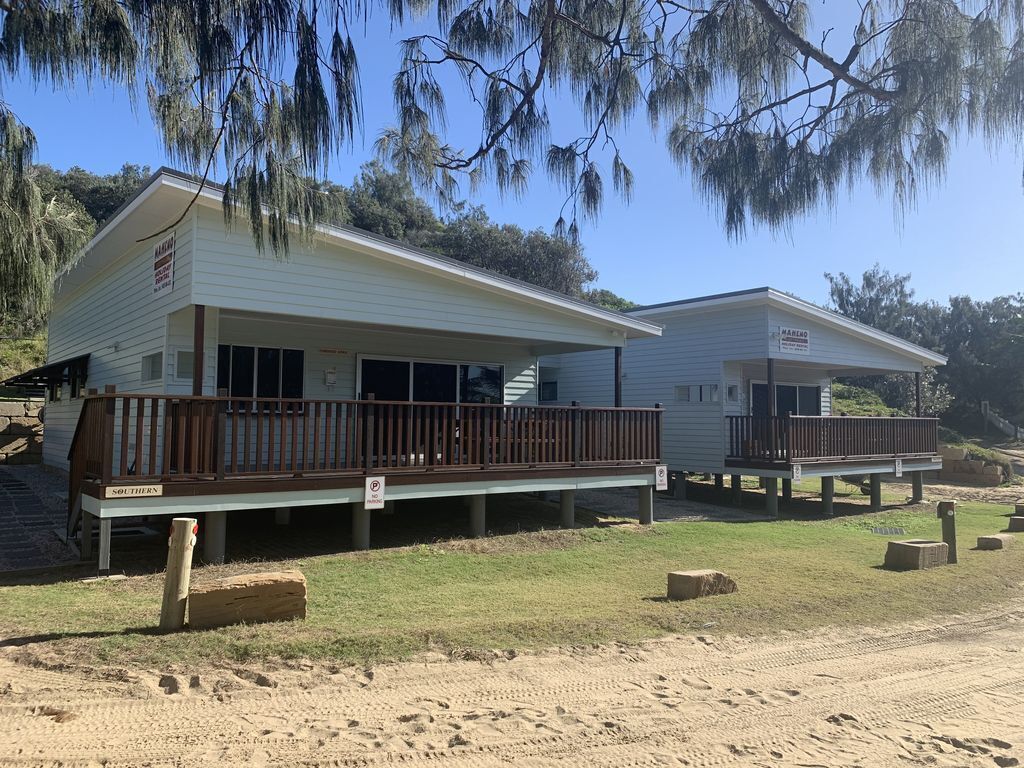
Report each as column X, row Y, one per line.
column 943, row 693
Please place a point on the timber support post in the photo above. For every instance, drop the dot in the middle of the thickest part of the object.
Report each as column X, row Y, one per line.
column 179, row 572
column 946, row 511
column 736, row 485
column 215, row 537
column 828, row 491
column 876, row 492
column 360, row 526
column 771, row 496
column 679, row 487
column 917, row 483
column 567, row 504
column 645, row 504
column 198, row 352
column 104, row 560
column 478, row 515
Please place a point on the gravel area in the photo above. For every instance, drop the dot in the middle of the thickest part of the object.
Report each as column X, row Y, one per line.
column 623, row 502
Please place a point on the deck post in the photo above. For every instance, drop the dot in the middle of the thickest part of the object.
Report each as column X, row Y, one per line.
column 86, row 545
column 787, row 490
column 876, row 492
column 109, row 411
column 771, row 496
column 567, row 499
column 917, row 394
column 736, row 485
column 478, row 515
column 283, row 516
column 198, row 353
column 679, row 487
column 618, row 377
column 917, row 479
column 828, row 490
column 719, row 481
column 215, row 535
column 104, row 562
column 645, row 504
column 360, row 526
column 577, row 434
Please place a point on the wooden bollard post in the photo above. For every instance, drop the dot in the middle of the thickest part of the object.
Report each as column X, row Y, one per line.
column 947, row 513
column 179, row 571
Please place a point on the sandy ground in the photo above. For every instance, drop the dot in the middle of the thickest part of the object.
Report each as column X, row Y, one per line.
column 930, row 694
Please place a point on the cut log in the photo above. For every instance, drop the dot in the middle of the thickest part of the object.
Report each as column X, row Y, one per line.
column 995, row 541
column 687, row 585
column 916, row 554
column 249, row 598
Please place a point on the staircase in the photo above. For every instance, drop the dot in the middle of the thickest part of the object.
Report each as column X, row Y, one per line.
column 991, row 417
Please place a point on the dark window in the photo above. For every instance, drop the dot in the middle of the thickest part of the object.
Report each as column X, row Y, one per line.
column 292, row 365
column 810, row 401
column 785, row 399
column 268, row 372
column 434, row 382
column 243, row 361
column 759, row 400
column 385, row 380
column 481, row 383
column 264, row 372
column 548, row 391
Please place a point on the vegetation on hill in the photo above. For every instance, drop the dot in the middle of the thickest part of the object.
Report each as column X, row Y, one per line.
column 852, row 400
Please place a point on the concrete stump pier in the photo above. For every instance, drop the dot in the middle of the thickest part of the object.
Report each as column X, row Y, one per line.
column 215, row 535
column 679, row 486
column 360, row 527
column 828, row 492
column 736, row 485
column 645, row 504
column 567, row 506
column 771, row 496
column 478, row 516
column 876, row 493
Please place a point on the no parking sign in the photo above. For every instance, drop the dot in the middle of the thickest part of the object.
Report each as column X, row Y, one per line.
column 661, row 478
column 373, row 496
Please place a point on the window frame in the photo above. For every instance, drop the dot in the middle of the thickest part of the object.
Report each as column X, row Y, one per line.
column 176, row 351
column 540, row 394
column 444, row 361
column 281, row 356
column 143, row 368
column 796, row 385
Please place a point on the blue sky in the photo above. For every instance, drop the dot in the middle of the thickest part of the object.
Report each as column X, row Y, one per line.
column 965, row 237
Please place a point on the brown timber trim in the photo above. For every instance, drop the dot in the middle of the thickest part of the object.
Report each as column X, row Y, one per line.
column 198, row 353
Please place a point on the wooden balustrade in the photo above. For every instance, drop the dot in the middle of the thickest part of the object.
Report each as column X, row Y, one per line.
column 163, row 437
column 792, row 439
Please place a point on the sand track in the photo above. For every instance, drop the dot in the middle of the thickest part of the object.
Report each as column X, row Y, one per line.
column 938, row 694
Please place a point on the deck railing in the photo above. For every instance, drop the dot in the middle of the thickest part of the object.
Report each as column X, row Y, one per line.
column 793, row 439
column 162, row 437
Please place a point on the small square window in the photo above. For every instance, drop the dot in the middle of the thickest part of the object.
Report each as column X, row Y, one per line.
column 709, row 393
column 152, row 367
column 683, row 393
column 184, row 364
column 548, row 391
column 732, row 393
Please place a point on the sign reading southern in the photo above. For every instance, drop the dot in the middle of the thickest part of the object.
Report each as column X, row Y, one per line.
column 373, row 497
column 661, row 478
column 163, row 265
column 133, row 491
column 795, row 340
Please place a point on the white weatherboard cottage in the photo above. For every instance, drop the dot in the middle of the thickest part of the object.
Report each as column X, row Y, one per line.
column 189, row 372
column 713, row 367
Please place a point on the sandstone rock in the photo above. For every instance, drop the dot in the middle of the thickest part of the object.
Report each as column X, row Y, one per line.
column 249, row 598
column 952, row 454
column 995, row 541
column 687, row 585
column 12, row 408
column 915, row 554
column 1016, row 524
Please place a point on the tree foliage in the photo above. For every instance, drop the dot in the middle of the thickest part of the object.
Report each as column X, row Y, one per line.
column 984, row 341
column 771, row 112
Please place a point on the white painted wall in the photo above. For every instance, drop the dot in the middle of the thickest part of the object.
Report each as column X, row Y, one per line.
column 116, row 318
column 346, row 285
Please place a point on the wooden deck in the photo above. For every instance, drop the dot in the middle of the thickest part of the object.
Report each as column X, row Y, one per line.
column 222, row 444
column 782, row 441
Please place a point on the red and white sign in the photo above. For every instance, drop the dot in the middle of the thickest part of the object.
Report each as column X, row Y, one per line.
column 163, row 265
column 796, row 341
column 661, row 478
column 373, row 496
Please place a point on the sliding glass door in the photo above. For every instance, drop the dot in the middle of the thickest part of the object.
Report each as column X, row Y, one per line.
column 426, row 381
column 794, row 399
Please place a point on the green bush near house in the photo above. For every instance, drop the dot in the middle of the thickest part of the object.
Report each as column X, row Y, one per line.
column 858, row 401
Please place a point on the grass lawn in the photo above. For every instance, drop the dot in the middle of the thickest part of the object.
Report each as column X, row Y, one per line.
column 536, row 590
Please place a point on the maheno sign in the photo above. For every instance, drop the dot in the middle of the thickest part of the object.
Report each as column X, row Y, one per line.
column 796, row 341
column 163, row 265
